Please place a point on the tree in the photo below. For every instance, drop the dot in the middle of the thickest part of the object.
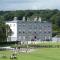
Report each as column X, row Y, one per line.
column 8, row 16
column 4, row 32
column 57, row 22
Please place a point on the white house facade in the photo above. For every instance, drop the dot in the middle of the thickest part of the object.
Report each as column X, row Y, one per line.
column 13, row 27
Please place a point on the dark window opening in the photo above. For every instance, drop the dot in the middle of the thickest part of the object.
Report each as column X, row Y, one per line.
column 35, row 37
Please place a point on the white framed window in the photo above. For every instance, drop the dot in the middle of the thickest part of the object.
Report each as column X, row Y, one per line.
column 40, row 30
column 14, row 25
column 23, row 37
column 45, row 37
column 19, row 37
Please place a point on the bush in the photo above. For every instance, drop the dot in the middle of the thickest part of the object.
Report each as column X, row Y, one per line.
column 40, row 45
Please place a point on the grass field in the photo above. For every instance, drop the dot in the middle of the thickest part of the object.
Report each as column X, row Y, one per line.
column 37, row 54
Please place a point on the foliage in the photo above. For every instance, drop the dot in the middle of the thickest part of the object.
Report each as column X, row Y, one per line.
column 4, row 32
column 43, row 44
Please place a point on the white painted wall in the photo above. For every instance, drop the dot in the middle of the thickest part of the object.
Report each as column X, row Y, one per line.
column 13, row 27
column 56, row 39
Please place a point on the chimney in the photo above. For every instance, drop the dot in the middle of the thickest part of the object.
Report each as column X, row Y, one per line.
column 28, row 18
column 39, row 19
column 23, row 18
column 35, row 19
column 15, row 18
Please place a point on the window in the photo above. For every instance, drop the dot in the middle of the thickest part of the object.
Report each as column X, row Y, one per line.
column 14, row 25
column 30, row 30
column 35, row 32
column 23, row 24
column 35, row 27
column 30, row 24
column 40, row 30
column 23, row 31
column 49, row 32
column 23, row 37
column 19, row 31
column 19, row 24
column 49, row 37
column 35, row 22
column 30, row 27
column 48, row 26
column 40, row 27
column 19, row 37
column 45, row 32
column 35, row 37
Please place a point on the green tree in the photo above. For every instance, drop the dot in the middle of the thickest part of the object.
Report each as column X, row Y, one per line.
column 57, row 22
column 4, row 32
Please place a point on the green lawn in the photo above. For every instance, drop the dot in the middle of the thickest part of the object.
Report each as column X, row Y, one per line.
column 38, row 54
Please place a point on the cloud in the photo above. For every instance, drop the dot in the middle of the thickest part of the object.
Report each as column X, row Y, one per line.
column 29, row 4
column 19, row 1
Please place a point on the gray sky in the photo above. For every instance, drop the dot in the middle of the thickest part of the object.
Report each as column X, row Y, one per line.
column 29, row 4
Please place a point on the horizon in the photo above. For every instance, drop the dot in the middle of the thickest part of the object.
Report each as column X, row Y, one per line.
column 29, row 9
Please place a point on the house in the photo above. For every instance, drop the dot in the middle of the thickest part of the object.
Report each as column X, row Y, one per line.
column 26, row 30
